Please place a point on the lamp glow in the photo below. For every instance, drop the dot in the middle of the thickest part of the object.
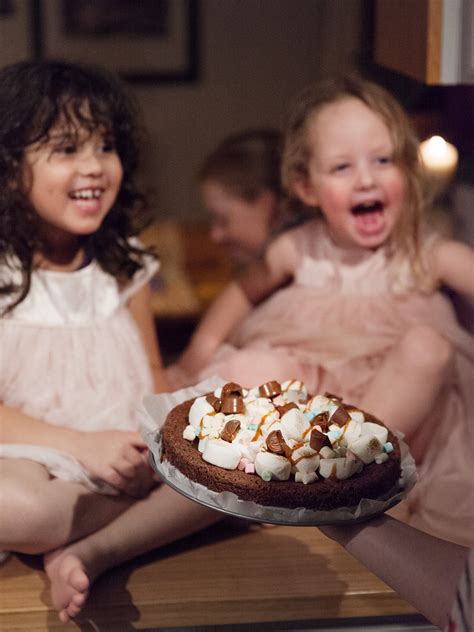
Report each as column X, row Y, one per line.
column 439, row 158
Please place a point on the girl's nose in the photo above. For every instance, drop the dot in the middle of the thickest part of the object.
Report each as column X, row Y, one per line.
column 365, row 177
column 90, row 163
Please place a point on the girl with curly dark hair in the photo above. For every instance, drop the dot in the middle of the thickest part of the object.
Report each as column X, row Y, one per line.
column 77, row 338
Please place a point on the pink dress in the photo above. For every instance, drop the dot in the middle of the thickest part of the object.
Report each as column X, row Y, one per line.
column 332, row 327
column 71, row 355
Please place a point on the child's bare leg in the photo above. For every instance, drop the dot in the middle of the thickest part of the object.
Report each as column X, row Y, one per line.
column 409, row 381
column 40, row 513
column 162, row 517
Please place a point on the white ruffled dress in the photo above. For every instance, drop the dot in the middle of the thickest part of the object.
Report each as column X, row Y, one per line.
column 71, row 354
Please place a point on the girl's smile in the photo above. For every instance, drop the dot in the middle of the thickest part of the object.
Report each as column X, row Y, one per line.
column 352, row 175
column 73, row 180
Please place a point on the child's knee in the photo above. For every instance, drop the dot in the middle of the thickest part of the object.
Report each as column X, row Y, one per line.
column 425, row 349
column 23, row 515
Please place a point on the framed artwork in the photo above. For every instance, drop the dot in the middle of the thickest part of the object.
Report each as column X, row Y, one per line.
column 143, row 40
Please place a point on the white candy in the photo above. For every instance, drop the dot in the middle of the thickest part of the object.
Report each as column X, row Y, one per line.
column 342, row 468
column 366, row 448
column 278, row 466
column 257, row 408
column 214, row 421
column 189, row 433
column 305, row 459
column 318, row 404
column 199, row 408
column 222, row 453
column 293, row 390
column 294, row 425
column 305, row 478
column 351, row 432
column 375, row 429
column 357, row 415
column 327, row 453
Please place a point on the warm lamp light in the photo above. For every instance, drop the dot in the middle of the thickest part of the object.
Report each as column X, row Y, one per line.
column 439, row 158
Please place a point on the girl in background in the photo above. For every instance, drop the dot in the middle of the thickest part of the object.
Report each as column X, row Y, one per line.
column 350, row 302
column 241, row 189
column 77, row 338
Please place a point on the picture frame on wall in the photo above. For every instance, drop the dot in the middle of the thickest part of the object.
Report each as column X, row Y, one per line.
column 151, row 41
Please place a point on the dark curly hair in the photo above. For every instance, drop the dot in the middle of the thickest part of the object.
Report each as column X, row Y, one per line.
column 34, row 96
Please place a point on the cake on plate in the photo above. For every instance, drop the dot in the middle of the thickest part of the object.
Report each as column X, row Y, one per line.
column 278, row 446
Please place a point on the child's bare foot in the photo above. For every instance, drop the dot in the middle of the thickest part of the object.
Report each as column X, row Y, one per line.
column 69, row 582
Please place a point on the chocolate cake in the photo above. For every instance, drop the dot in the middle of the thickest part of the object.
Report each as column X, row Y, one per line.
column 278, row 446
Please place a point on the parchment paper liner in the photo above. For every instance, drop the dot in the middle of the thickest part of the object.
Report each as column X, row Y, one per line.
column 153, row 412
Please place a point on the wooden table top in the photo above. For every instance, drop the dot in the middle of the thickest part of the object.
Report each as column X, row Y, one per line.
column 219, row 576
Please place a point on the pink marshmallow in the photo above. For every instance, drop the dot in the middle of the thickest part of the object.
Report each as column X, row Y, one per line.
column 250, row 468
column 242, row 464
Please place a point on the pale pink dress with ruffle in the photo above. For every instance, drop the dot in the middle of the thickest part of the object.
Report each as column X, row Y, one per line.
column 71, row 354
column 332, row 327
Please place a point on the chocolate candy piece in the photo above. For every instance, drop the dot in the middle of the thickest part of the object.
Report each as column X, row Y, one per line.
column 276, row 443
column 318, row 440
column 285, row 408
column 230, row 430
column 269, row 389
column 340, row 416
column 214, row 401
column 332, row 396
column 231, row 388
column 232, row 404
column 321, row 420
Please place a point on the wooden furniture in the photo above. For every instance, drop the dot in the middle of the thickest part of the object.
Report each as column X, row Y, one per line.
column 428, row 40
column 219, row 576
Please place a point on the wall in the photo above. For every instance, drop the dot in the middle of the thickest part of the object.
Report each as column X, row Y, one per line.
column 255, row 55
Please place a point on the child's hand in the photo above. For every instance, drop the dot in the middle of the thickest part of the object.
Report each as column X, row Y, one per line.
column 118, row 458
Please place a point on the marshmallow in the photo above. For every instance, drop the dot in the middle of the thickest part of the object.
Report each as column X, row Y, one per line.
column 305, row 459
column 222, row 453
column 278, row 466
column 366, row 448
column 327, row 453
column 293, row 390
column 199, row 408
column 341, row 468
column 189, row 433
column 305, row 478
column 357, row 415
column 352, row 431
column 375, row 429
column 294, row 425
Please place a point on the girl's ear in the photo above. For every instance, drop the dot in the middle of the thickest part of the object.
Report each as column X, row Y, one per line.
column 304, row 190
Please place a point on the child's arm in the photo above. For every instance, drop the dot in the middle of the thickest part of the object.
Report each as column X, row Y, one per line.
column 454, row 266
column 139, row 306
column 117, row 457
column 231, row 306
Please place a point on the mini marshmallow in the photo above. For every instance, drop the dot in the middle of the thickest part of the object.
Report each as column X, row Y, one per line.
column 381, row 458
column 294, row 425
column 250, row 468
column 199, row 408
column 375, row 429
column 388, row 447
column 278, row 466
column 222, row 453
column 366, row 448
column 189, row 433
column 327, row 453
column 242, row 463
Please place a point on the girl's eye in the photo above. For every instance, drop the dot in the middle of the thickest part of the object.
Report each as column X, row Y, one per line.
column 340, row 167
column 68, row 148
column 384, row 160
